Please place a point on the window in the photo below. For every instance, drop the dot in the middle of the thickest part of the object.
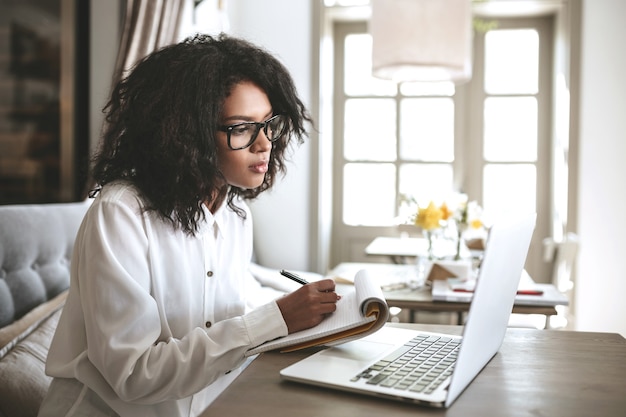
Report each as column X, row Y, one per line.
column 510, row 133
column 488, row 138
column 392, row 137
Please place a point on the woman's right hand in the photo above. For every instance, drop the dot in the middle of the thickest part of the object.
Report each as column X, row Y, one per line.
column 309, row 305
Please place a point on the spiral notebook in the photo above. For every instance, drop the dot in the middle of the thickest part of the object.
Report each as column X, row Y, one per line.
column 360, row 311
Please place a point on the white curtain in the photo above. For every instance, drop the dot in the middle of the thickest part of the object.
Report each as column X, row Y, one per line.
column 148, row 26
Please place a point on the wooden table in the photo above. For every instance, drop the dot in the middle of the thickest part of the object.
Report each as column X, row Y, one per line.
column 416, row 300
column 422, row 300
column 536, row 373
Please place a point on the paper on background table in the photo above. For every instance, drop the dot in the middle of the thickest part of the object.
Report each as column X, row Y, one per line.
column 442, row 291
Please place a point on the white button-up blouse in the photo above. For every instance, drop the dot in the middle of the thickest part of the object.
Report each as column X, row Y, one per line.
column 154, row 316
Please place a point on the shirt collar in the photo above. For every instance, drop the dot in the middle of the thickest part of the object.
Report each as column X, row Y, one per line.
column 214, row 221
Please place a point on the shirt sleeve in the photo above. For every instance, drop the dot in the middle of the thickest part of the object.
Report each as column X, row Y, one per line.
column 123, row 323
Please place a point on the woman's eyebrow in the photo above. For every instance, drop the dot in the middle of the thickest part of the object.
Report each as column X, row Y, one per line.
column 247, row 118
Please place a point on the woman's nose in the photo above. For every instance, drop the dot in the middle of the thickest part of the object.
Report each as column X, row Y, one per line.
column 261, row 143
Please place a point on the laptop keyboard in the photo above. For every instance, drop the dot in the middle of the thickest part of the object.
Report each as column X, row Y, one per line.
column 421, row 365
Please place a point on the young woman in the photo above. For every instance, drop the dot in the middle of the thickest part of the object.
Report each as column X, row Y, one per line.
column 158, row 312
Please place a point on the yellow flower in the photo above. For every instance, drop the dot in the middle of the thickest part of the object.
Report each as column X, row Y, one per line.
column 476, row 224
column 446, row 213
column 428, row 218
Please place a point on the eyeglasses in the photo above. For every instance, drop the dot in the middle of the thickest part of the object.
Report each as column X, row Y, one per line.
column 242, row 135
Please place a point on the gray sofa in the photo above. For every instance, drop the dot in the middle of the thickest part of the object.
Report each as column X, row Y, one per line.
column 36, row 243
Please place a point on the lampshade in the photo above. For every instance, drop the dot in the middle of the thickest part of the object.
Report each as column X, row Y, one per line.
column 422, row 40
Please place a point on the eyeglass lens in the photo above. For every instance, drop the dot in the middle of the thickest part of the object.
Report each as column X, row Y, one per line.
column 244, row 134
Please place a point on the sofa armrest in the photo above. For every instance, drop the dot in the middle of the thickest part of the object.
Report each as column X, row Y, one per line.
column 15, row 332
column 23, row 382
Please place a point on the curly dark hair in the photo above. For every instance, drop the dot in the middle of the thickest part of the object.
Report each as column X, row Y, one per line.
column 162, row 119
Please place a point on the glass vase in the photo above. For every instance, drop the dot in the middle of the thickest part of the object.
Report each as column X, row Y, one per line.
column 459, row 238
column 430, row 238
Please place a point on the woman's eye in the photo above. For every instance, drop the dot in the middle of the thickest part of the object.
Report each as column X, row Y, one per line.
column 241, row 130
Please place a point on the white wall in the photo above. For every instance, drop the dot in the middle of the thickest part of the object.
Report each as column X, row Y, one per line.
column 601, row 286
column 282, row 215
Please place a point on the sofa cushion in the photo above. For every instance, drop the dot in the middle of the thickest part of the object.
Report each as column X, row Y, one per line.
column 23, row 382
column 36, row 243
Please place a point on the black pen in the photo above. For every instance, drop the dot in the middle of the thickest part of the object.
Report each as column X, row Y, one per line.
column 293, row 277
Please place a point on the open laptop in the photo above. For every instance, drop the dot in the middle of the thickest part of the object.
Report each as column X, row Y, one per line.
column 364, row 366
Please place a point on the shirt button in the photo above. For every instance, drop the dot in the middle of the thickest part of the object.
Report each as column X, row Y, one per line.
column 207, row 324
column 209, row 274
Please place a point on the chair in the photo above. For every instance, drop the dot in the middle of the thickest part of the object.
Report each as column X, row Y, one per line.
column 563, row 255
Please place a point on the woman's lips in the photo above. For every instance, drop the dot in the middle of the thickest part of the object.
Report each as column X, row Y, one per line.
column 260, row 168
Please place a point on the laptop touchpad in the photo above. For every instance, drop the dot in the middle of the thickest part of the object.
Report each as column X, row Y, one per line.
column 359, row 350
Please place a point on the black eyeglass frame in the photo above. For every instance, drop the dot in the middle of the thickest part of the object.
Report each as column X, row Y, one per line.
column 258, row 126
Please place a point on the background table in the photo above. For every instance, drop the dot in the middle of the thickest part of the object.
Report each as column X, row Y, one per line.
column 416, row 300
column 397, row 249
column 536, row 373
column 422, row 300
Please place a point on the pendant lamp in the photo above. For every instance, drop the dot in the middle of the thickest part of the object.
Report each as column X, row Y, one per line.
column 422, row 40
